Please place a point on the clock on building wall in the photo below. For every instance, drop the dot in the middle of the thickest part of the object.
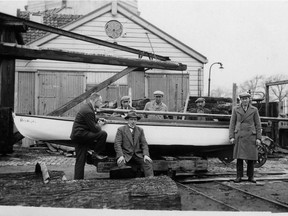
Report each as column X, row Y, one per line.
column 113, row 29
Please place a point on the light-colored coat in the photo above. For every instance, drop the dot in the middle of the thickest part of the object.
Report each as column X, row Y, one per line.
column 245, row 128
column 125, row 146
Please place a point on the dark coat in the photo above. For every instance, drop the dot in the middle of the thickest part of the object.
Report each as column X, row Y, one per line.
column 125, row 146
column 85, row 122
column 245, row 127
column 200, row 110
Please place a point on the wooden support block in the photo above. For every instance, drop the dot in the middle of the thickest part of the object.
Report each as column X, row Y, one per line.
column 26, row 142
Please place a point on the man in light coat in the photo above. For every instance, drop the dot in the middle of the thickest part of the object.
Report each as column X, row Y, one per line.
column 156, row 105
column 131, row 146
column 245, row 134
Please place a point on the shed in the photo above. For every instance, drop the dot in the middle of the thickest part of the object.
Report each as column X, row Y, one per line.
column 44, row 85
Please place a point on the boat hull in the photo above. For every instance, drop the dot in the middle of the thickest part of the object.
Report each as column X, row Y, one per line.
column 167, row 133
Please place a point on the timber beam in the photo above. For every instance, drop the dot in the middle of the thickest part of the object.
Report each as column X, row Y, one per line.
column 62, row 32
column 26, row 52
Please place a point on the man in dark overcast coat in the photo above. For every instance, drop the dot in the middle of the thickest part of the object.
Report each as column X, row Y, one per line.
column 245, row 134
column 87, row 134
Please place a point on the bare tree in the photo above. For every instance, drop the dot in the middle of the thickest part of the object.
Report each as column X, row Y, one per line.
column 256, row 86
column 279, row 92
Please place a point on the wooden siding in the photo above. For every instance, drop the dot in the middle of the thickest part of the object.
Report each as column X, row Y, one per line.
column 26, row 93
column 98, row 77
column 137, row 84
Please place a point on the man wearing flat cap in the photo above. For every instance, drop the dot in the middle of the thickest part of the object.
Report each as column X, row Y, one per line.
column 245, row 134
column 124, row 105
column 156, row 105
column 131, row 146
column 200, row 108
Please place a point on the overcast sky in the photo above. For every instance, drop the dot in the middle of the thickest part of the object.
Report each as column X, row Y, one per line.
column 249, row 37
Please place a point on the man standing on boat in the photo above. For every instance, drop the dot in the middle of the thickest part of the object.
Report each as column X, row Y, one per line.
column 131, row 146
column 87, row 134
column 245, row 134
column 124, row 105
column 156, row 105
column 200, row 108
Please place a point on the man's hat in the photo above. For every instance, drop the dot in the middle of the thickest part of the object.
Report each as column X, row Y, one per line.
column 158, row 93
column 200, row 100
column 132, row 114
column 125, row 98
column 244, row 94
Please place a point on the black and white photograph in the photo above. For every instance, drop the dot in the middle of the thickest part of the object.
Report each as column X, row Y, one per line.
column 143, row 107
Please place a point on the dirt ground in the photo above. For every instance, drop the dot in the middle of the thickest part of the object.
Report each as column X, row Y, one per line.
column 24, row 160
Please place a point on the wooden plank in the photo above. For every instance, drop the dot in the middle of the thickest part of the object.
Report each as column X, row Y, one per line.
column 26, row 52
column 85, row 95
column 80, row 37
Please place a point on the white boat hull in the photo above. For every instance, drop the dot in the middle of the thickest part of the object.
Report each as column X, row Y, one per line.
column 55, row 128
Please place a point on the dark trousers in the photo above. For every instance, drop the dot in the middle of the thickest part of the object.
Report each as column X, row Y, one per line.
column 96, row 142
column 250, row 168
column 147, row 167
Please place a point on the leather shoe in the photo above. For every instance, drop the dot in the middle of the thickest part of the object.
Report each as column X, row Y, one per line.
column 252, row 180
column 99, row 157
column 238, row 180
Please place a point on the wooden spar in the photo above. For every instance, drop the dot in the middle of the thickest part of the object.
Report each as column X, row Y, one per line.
column 26, row 52
column 80, row 37
column 186, row 114
column 85, row 95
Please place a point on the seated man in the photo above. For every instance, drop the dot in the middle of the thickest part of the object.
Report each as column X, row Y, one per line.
column 125, row 105
column 87, row 134
column 131, row 146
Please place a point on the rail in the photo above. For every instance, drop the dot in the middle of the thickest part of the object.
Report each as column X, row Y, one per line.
column 275, row 119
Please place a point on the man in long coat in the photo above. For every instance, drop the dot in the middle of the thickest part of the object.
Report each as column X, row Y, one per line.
column 131, row 146
column 245, row 134
column 88, row 134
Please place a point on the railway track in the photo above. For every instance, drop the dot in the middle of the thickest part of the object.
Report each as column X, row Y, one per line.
column 221, row 196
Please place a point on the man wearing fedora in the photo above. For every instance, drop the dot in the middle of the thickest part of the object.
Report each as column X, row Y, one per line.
column 245, row 134
column 124, row 105
column 131, row 146
column 156, row 105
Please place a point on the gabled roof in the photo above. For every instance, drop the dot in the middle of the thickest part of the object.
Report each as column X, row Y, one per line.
column 73, row 22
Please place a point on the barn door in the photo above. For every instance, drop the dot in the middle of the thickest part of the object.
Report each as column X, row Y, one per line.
column 56, row 89
column 26, row 93
column 174, row 86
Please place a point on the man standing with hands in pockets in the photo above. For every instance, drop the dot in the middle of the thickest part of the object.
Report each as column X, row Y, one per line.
column 245, row 134
column 131, row 146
